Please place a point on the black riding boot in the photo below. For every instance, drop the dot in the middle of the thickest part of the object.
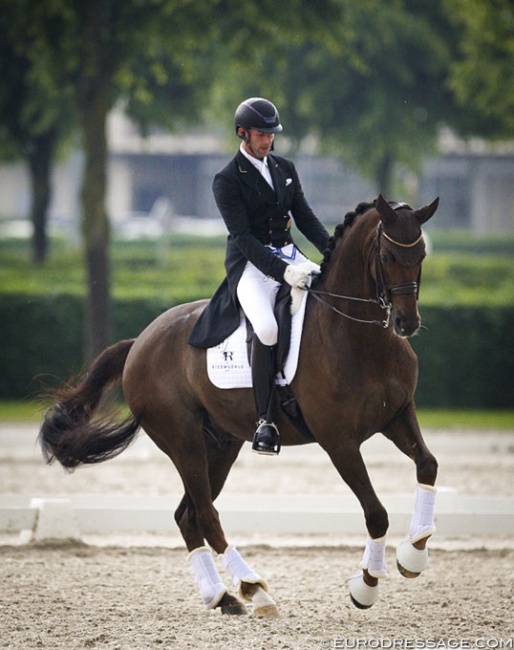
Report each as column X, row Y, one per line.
column 266, row 439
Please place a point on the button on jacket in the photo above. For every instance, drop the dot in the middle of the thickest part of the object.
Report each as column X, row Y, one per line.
column 256, row 216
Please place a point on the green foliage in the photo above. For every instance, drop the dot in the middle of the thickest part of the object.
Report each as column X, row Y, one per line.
column 466, row 354
column 466, row 241
column 41, row 341
column 482, row 75
column 458, row 279
column 469, row 271
column 466, row 357
column 184, row 270
column 465, row 348
column 372, row 93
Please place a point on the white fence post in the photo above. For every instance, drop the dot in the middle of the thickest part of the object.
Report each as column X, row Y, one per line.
column 55, row 520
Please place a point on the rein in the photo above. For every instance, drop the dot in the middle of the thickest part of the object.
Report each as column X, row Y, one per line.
column 384, row 293
column 318, row 295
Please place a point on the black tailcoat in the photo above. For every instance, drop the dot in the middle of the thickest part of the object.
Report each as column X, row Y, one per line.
column 256, row 217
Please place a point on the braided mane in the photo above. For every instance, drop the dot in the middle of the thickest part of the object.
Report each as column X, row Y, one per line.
column 340, row 230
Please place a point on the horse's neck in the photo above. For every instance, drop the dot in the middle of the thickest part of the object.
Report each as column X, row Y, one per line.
column 349, row 272
column 349, row 276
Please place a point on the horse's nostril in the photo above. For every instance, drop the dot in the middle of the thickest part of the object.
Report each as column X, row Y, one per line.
column 405, row 326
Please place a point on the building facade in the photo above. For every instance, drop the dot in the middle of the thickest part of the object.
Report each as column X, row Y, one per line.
column 476, row 189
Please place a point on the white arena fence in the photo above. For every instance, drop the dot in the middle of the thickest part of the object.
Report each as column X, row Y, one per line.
column 41, row 518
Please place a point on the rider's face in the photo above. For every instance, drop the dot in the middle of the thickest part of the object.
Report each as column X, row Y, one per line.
column 257, row 143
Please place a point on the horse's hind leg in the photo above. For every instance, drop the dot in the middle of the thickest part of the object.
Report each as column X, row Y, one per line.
column 200, row 556
column 250, row 586
column 198, row 519
column 412, row 553
column 218, row 462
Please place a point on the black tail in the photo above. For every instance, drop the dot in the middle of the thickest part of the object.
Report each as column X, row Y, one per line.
column 69, row 433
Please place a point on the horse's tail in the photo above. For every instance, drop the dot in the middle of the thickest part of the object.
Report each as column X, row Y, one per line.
column 69, row 433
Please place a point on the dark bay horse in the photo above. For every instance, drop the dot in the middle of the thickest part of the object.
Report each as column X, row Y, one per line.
column 356, row 376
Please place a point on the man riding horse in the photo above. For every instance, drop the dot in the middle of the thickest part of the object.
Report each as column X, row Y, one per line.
column 259, row 195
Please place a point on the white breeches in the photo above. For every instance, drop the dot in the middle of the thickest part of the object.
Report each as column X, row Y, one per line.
column 257, row 292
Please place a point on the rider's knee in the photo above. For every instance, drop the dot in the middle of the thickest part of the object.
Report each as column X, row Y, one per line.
column 268, row 334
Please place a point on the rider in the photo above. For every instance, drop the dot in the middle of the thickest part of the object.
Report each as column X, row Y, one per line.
column 258, row 194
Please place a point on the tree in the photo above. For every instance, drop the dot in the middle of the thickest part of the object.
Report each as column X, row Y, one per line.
column 36, row 114
column 96, row 48
column 482, row 74
column 375, row 93
column 386, row 106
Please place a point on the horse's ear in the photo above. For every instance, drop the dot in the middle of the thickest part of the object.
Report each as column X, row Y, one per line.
column 423, row 214
column 385, row 211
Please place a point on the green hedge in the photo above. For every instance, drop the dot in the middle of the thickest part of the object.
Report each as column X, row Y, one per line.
column 466, row 353
column 466, row 357
column 41, row 337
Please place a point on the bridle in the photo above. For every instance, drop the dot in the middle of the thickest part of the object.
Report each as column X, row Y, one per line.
column 406, row 288
column 384, row 293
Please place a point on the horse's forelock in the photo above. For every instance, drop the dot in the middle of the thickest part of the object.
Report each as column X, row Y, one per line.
column 406, row 246
column 406, row 256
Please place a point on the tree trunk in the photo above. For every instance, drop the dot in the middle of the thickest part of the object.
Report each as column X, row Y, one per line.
column 384, row 175
column 40, row 167
column 95, row 224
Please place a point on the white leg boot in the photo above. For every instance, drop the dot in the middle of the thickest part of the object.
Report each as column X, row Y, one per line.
column 248, row 583
column 373, row 561
column 411, row 561
column 207, row 577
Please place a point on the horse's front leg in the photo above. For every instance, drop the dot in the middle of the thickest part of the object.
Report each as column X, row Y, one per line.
column 412, row 553
column 364, row 585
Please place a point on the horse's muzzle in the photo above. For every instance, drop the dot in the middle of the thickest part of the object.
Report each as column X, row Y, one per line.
column 405, row 326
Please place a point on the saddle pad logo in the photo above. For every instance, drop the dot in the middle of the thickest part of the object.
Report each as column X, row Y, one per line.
column 227, row 360
column 227, row 363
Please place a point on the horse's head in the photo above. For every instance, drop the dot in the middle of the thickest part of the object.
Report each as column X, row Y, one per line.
column 400, row 250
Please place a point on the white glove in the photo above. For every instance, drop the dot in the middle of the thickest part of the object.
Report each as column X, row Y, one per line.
column 312, row 267
column 298, row 276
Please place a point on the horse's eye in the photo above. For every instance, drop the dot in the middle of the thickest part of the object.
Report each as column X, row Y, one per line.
column 385, row 258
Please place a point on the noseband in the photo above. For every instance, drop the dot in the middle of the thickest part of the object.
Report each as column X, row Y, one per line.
column 384, row 293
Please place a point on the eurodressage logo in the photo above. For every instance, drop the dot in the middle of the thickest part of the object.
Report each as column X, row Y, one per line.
column 417, row 644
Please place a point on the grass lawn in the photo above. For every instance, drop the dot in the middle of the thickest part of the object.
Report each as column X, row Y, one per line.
column 20, row 411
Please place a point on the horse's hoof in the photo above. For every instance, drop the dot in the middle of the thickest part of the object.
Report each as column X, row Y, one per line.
column 263, row 604
column 405, row 572
column 232, row 606
column 268, row 611
column 234, row 609
column 362, row 595
column 410, row 560
column 359, row 605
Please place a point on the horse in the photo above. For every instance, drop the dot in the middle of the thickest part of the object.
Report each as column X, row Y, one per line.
column 356, row 376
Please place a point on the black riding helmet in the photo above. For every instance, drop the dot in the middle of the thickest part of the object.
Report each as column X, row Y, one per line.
column 258, row 113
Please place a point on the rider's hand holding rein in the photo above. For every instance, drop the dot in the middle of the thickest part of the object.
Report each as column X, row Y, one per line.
column 298, row 276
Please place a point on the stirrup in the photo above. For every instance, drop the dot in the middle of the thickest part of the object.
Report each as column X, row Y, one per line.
column 266, row 440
